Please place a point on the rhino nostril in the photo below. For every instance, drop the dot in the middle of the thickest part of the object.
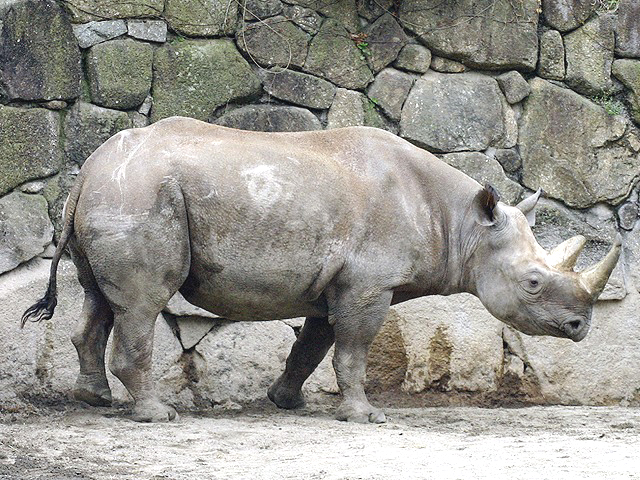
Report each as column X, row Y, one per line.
column 573, row 326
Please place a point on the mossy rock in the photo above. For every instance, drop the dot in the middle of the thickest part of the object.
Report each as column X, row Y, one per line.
column 88, row 10
column 201, row 18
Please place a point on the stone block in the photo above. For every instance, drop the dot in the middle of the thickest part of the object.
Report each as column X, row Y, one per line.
column 373, row 9
column 39, row 55
column 628, row 72
column 28, row 134
column 88, row 10
column 148, row 30
column 565, row 15
column 88, row 126
column 92, row 33
column 596, row 166
column 446, row 65
column 298, row 88
column 551, row 64
column 261, row 9
column 270, row 118
column 333, row 55
column 305, row 18
column 194, row 77
column 201, row 18
column 414, row 58
column 509, row 159
column 450, row 113
column 26, row 228
column 384, row 39
column 589, row 55
column 342, row 11
column 628, row 29
column 120, row 73
column 487, row 34
column 274, row 42
column 514, row 87
column 347, row 109
column 483, row 170
column 389, row 91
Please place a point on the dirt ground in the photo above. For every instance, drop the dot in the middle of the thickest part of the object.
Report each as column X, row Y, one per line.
column 261, row 442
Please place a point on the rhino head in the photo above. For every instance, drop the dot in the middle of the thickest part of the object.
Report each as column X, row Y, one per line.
column 520, row 283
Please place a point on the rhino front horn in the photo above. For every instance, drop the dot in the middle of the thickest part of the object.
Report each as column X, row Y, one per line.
column 565, row 255
column 595, row 278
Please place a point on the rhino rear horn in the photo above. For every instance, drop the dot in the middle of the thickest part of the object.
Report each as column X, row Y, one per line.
column 565, row 255
column 595, row 277
column 528, row 205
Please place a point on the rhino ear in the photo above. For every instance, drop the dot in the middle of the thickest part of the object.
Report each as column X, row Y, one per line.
column 487, row 201
column 528, row 205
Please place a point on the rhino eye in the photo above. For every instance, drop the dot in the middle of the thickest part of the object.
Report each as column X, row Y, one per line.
column 533, row 285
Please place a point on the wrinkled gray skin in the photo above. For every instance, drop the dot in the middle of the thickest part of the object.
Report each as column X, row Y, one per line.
column 334, row 225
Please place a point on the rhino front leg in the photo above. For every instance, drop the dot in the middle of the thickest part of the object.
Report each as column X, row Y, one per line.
column 355, row 328
column 311, row 346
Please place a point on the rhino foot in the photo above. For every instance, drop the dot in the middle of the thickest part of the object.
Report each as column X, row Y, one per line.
column 284, row 397
column 153, row 412
column 94, row 393
column 360, row 414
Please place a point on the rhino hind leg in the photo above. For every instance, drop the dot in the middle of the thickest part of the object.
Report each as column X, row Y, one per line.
column 356, row 325
column 311, row 346
column 90, row 337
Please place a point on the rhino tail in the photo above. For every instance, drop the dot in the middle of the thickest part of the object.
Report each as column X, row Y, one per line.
column 43, row 309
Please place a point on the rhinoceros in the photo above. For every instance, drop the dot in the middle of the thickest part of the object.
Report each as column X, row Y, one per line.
column 334, row 226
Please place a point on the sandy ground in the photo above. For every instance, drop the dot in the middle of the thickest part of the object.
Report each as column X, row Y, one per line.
column 75, row 442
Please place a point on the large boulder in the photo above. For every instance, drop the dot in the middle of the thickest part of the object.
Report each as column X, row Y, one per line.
column 589, row 55
column 28, row 134
column 298, row 88
column 457, row 112
column 270, row 118
column 120, row 73
column 488, row 34
column 273, row 42
column 595, row 166
column 565, row 15
column 201, row 18
column 334, row 55
column 628, row 72
column 88, row 126
column 39, row 54
column 194, row 77
column 26, row 228
column 628, row 29
column 88, row 10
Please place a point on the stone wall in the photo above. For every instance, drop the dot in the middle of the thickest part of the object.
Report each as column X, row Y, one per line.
column 521, row 93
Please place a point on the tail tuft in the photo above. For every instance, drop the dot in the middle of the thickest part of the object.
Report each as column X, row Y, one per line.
column 42, row 310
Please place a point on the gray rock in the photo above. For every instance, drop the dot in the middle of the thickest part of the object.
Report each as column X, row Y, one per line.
column 384, row 38
column 565, row 15
column 486, row 170
column 450, row 113
column 488, row 34
column 342, row 11
column 28, row 134
column 270, row 118
column 145, row 108
column 239, row 360
column 334, row 56
column 373, row 9
column 589, row 55
column 628, row 215
column 92, row 33
column 201, row 18
column 414, row 58
column 261, row 9
column 551, row 64
column 514, row 87
column 192, row 329
column 274, row 42
column 39, row 55
column 347, row 109
column 26, row 228
column 298, row 88
column 149, row 30
column 32, row 187
column 389, row 91
column 595, row 166
column 88, row 126
column 509, row 158
column 628, row 72
column 55, row 105
column 446, row 65
column 194, row 77
column 88, row 10
column 120, row 73
column 628, row 29
column 179, row 307
column 305, row 18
